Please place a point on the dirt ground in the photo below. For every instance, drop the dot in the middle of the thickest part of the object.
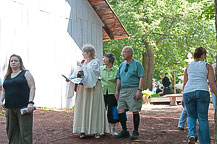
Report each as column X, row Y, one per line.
column 158, row 125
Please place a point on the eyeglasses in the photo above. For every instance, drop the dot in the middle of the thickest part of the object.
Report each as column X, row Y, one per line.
column 126, row 69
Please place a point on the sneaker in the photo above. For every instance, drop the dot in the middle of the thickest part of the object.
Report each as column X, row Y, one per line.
column 123, row 134
column 113, row 131
column 82, row 136
column 181, row 128
column 191, row 140
column 135, row 135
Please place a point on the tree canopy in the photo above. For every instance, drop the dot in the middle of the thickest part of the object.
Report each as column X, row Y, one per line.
column 171, row 28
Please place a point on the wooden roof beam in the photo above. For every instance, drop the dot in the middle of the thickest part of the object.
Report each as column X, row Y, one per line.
column 108, row 32
column 113, row 28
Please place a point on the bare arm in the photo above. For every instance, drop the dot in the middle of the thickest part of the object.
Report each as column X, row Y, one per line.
column 118, row 87
column 31, row 84
column 2, row 96
column 139, row 92
column 141, row 82
column 211, row 78
column 185, row 78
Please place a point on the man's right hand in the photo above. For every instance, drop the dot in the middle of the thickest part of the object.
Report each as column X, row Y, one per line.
column 117, row 95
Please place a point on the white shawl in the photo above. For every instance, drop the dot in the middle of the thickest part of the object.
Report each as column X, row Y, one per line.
column 91, row 73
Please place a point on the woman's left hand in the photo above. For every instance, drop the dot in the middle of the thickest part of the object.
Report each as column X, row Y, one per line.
column 30, row 108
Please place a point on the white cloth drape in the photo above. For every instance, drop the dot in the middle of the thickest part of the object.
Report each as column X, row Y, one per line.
column 91, row 73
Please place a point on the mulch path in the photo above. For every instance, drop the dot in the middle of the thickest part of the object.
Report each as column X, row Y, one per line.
column 158, row 125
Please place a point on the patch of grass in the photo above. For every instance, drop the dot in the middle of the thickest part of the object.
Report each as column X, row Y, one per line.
column 48, row 109
column 54, row 108
column 68, row 115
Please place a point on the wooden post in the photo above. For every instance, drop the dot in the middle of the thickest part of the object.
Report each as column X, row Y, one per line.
column 174, row 81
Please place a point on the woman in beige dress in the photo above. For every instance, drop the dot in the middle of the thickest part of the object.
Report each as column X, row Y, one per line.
column 90, row 114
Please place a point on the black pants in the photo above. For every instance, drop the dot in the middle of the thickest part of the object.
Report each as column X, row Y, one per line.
column 167, row 90
column 110, row 101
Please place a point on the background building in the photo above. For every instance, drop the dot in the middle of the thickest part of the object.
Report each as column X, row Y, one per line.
column 49, row 34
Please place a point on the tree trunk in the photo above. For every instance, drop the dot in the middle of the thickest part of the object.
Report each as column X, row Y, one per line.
column 150, row 65
column 145, row 61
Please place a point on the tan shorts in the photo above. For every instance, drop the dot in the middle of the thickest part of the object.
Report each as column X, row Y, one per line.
column 127, row 100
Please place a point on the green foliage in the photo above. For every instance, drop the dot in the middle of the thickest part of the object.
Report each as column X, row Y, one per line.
column 208, row 12
column 155, row 95
column 147, row 94
column 2, row 112
column 150, row 19
column 73, row 108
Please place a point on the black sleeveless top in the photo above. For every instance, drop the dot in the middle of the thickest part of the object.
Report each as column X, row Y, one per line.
column 16, row 91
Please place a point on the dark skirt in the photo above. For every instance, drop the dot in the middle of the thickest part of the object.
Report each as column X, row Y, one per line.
column 111, row 106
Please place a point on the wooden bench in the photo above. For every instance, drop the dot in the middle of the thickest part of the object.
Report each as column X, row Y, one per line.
column 159, row 100
column 173, row 101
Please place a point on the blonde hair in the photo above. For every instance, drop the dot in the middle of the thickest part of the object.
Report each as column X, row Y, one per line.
column 89, row 49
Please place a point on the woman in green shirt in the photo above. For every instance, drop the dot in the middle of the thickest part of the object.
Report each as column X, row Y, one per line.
column 108, row 79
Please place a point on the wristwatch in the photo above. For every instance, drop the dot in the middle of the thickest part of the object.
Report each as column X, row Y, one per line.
column 139, row 89
column 31, row 102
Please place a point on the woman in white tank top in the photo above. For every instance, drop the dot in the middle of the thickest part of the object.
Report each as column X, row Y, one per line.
column 196, row 96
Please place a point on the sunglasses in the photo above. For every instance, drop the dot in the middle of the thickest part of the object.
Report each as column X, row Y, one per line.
column 126, row 69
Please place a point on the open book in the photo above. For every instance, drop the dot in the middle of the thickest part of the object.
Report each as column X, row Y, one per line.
column 75, row 80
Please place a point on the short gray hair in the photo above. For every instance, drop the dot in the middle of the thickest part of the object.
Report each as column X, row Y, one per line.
column 129, row 48
column 89, row 49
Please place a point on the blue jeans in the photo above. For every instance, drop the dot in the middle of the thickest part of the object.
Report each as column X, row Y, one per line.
column 213, row 100
column 197, row 104
column 183, row 118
